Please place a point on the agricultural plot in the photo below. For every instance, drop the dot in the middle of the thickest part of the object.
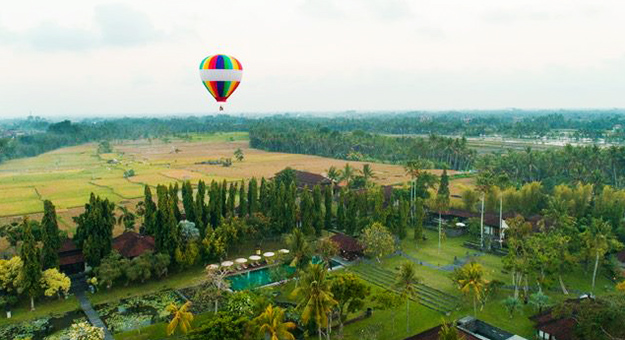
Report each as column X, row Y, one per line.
column 68, row 176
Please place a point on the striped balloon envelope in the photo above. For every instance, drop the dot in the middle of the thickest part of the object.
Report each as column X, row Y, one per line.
column 221, row 75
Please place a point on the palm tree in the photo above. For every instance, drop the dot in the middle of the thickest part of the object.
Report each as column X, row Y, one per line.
column 598, row 240
column 471, row 282
column 127, row 218
column 449, row 332
column 181, row 320
column 334, row 174
column 299, row 248
column 367, row 172
column 272, row 325
column 315, row 298
column 512, row 305
column 347, row 174
column 406, row 282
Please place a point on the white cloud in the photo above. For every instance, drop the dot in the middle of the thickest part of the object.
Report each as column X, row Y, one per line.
column 141, row 56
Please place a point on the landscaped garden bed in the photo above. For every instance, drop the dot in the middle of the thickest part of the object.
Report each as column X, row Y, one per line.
column 49, row 328
column 137, row 312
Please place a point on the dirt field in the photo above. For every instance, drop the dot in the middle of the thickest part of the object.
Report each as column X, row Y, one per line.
column 68, row 176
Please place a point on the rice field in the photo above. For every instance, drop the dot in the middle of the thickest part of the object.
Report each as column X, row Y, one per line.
column 69, row 175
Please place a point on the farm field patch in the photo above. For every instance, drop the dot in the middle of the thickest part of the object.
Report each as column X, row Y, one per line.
column 69, row 175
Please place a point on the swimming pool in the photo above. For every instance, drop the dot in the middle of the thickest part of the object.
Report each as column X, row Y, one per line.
column 264, row 276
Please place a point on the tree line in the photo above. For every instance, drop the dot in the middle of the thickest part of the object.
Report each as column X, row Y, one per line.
column 296, row 136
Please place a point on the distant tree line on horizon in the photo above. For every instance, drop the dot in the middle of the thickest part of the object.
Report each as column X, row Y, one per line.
column 354, row 139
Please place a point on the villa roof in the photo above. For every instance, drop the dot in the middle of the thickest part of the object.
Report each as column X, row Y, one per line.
column 71, row 259
column 67, row 246
column 131, row 244
column 432, row 334
column 304, row 178
column 347, row 243
column 561, row 328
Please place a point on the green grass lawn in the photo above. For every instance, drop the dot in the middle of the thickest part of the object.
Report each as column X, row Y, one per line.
column 493, row 312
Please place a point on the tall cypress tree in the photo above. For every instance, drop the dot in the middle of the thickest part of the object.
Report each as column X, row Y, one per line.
column 351, row 222
column 149, row 217
column 317, row 212
column 277, row 208
column 232, row 195
column 215, row 204
column 340, row 211
column 252, row 197
column 50, row 237
column 264, row 197
column 187, row 201
column 200, row 208
column 31, row 270
column 166, row 238
column 94, row 230
column 328, row 207
column 290, row 216
column 443, row 187
column 307, row 212
column 242, row 201
column 223, row 198
column 173, row 196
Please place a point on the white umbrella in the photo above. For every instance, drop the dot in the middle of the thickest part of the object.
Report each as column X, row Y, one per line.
column 268, row 254
column 283, row 251
column 255, row 258
column 227, row 263
column 213, row 266
column 240, row 260
column 461, row 225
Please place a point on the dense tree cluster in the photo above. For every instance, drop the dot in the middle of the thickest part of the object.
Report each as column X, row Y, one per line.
column 571, row 164
column 298, row 136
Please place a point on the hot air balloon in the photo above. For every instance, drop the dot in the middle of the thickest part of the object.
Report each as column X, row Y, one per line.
column 221, row 75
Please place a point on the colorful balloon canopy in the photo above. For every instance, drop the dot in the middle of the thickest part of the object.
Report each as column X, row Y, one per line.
column 221, row 75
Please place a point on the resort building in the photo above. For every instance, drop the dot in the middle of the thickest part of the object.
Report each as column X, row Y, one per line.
column 471, row 329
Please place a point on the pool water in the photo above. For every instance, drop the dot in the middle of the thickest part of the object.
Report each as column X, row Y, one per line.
column 265, row 276
column 260, row 277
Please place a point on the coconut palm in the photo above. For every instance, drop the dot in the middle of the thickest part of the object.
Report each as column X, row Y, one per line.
column 272, row 325
column 126, row 218
column 181, row 318
column 598, row 240
column 348, row 173
column 367, row 172
column 471, row 282
column 334, row 174
column 315, row 298
column 299, row 248
column 449, row 332
column 406, row 283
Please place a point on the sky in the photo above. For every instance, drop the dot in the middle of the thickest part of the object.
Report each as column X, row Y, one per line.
column 140, row 57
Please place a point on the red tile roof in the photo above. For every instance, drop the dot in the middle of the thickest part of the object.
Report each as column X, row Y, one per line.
column 347, row 243
column 562, row 328
column 71, row 259
column 131, row 244
column 432, row 334
column 67, row 246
